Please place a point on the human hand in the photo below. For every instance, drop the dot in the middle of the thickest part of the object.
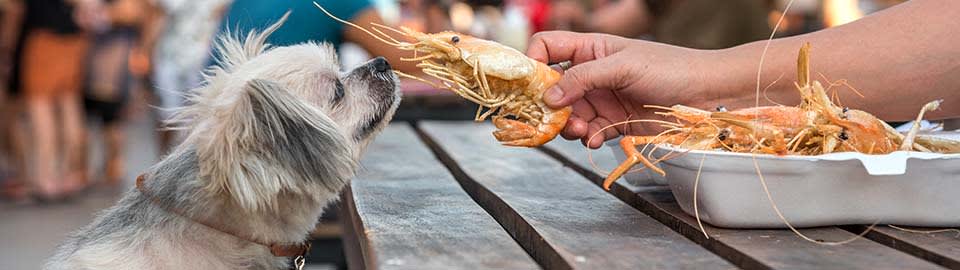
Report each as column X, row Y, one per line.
column 613, row 77
column 139, row 62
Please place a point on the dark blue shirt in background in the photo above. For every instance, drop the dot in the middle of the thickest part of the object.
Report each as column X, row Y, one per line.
column 306, row 22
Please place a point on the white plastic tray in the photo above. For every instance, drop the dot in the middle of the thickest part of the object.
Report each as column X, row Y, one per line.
column 904, row 188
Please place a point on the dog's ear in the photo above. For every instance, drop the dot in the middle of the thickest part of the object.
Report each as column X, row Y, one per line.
column 268, row 141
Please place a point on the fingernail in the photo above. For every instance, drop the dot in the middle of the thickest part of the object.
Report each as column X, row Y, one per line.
column 553, row 95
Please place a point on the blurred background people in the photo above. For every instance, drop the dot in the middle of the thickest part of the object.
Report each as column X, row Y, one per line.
column 117, row 62
column 55, row 40
column 182, row 52
column 12, row 164
column 428, row 16
column 702, row 24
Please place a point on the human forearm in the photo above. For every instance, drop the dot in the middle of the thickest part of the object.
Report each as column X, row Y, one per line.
column 899, row 59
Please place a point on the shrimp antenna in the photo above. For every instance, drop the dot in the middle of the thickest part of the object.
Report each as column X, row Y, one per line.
column 381, row 39
column 385, row 35
column 768, row 88
column 388, row 28
column 401, row 74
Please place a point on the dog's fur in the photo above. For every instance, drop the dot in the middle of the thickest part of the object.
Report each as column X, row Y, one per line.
column 274, row 135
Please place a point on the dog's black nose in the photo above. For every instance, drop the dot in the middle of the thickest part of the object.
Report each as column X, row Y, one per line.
column 381, row 65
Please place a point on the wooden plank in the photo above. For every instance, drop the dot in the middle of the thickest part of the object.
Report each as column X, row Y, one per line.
column 412, row 214
column 752, row 249
column 563, row 220
column 942, row 248
column 353, row 246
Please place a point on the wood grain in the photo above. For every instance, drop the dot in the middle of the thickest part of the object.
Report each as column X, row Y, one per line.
column 410, row 213
column 942, row 248
column 559, row 217
column 751, row 249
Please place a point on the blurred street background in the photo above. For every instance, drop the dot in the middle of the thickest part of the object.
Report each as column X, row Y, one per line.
column 85, row 85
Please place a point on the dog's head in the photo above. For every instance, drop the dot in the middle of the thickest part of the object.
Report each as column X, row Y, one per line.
column 284, row 120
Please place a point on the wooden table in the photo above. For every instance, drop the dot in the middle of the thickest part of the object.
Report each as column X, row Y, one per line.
column 445, row 195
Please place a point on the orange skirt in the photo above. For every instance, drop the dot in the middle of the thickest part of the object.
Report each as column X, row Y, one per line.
column 52, row 64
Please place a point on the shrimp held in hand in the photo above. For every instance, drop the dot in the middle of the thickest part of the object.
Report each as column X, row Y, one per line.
column 506, row 84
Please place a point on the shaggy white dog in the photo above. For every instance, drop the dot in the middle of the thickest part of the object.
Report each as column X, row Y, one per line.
column 274, row 135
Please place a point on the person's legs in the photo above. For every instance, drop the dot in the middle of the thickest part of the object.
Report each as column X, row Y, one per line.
column 106, row 94
column 13, row 185
column 74, row 140
column 43, row 160
column 115, row 140
column 39, row 79
column 71, row 112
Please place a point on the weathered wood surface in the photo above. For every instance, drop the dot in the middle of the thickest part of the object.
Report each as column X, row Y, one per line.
column 942, row 248
column 410, row 213
column 562, row 219
column 354, row 248
column 753, row 249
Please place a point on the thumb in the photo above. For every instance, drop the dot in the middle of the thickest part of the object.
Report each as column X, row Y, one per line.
column 603, row 73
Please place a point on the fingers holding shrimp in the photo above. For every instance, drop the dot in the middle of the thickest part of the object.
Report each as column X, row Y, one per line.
column 597, row 133
column 558, row 46
column 576, row 127
column 592, row 113
column 613, row 78
column 608, row 73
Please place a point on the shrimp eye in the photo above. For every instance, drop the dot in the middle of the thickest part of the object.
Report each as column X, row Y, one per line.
column 721, row 108
column 846, row 109
column 455, row 39
column 844, row 136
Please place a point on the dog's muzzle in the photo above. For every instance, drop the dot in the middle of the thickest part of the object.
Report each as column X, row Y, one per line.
column 383, row 89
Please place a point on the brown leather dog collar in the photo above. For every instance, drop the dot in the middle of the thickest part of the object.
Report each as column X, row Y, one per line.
column 279, row 250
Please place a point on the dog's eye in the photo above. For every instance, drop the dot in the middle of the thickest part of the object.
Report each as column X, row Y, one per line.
column 338, row 92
